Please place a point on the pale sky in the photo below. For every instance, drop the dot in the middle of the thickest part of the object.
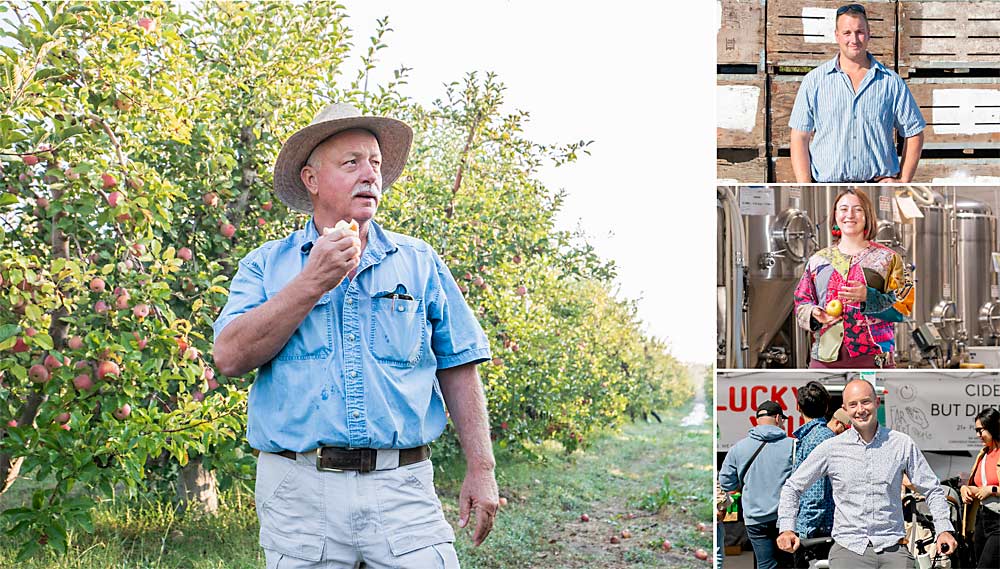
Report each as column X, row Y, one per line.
column 635, row 77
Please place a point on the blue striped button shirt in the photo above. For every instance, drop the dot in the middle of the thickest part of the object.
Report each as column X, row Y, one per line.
column 867, row 480
column 853, row 132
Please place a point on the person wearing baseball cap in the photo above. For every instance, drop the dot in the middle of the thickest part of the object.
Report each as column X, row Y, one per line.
column 758, row 465
column 360, row 338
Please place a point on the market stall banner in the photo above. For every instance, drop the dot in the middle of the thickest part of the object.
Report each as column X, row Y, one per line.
column 939, row 412
column 737, row 398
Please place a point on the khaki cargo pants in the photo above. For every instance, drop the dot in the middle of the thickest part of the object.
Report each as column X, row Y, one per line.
column 387, row 519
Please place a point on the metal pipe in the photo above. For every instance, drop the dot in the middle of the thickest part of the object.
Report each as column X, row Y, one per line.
column 734, row 293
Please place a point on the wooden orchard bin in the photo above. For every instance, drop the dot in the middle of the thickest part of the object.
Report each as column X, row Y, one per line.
column 949, row 35
column 800, row 33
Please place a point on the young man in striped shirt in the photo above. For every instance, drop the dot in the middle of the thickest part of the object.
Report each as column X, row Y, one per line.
column 846, row 111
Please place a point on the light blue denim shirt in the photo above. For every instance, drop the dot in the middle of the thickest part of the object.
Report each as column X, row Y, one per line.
column 360, row 371
column 866, row 479
column 853, row 132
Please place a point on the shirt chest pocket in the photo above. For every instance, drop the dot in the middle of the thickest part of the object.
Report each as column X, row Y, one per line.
column 313, row 339
column 878, row 117
column 398, row 329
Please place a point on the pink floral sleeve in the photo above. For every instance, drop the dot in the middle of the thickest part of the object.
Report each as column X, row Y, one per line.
column 805, row 299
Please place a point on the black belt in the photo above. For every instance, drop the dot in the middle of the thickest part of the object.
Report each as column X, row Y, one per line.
column 359, row 459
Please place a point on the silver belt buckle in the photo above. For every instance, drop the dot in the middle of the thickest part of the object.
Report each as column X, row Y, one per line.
column 319, row 466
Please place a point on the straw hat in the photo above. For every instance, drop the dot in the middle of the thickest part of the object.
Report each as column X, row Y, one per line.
column 394, row 138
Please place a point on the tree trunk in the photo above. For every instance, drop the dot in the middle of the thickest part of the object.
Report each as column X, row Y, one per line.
column 197, row 488
column 10, row 467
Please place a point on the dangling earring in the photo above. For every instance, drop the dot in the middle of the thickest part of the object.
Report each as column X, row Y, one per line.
column 835, row 231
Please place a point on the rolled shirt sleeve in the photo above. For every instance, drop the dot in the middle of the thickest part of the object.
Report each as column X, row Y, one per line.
column 456, row 336
column 909, row 120
column 802, row 111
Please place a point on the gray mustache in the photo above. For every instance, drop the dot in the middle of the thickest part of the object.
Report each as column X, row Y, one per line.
column 366, row 188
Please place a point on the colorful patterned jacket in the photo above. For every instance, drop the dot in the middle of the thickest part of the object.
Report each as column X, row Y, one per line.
column 866, row 328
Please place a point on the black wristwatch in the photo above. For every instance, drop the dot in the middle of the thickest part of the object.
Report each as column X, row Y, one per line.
column 995, row 490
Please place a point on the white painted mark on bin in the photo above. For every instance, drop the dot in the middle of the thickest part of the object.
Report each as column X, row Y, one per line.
column 736, row 107
column 819, row 25
column 960, row 178
column 965, row 111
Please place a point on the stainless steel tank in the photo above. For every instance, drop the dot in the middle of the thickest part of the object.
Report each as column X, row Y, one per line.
column 933, row 256
column 976, row 230
column 779, row 241
column 722, row 322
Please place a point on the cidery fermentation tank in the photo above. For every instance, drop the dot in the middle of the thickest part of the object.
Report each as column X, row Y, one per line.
column 976, row 230
column 779, row 239
column 933, row 258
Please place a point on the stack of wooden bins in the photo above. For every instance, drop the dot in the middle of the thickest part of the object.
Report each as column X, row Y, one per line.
column 947, row 51
column 741, row 92
column 800, row 37
column 949, row 54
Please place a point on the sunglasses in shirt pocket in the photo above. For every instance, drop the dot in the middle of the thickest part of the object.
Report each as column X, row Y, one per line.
column 398, row 328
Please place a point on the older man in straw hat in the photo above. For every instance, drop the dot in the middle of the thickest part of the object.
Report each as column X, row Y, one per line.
column 360, row 338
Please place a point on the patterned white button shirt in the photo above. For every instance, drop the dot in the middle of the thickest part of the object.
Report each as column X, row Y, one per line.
column 867, row 479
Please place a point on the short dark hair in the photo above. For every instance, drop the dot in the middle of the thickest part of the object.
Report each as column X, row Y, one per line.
column 813, row 400
column 990, row 418
column 851, row 10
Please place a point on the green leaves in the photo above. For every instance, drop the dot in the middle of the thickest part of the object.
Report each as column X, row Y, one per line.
column 133, row 127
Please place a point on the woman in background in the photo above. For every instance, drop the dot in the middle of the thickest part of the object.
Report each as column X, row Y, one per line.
column 982, row 500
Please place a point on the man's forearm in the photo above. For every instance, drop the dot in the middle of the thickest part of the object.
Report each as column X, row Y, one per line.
column 463, row 394
column 912, row 147
column 801, row 164
column 254, row 338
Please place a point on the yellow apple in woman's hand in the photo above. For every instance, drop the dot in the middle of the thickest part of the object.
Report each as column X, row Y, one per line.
column 834, row 307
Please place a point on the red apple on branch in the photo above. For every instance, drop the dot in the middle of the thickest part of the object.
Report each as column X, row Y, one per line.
column 122, row 412
column 38, row 373
column 83, row 382
column 107, row 368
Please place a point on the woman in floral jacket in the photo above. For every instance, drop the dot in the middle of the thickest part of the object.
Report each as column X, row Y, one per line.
column 867, row 280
